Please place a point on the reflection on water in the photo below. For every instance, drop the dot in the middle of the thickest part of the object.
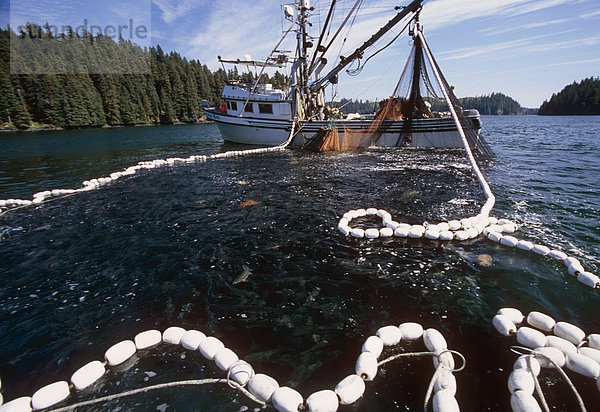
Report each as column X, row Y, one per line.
column 166, row 246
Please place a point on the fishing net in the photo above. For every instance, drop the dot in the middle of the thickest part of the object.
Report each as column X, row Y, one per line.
column 417, row 95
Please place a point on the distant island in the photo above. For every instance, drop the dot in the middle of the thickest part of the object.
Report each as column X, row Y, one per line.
column 493, row 104
column 581, row 98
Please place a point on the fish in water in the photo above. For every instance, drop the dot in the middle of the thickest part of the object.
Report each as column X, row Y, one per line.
column 244, row 275
column 249, row 203
column 484, row 260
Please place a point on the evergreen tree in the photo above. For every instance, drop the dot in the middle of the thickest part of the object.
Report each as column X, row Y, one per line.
column 581, row 98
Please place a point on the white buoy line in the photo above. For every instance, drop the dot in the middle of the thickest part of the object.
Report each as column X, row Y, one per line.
column 566, row 345
column 497, row 230
column 7, row 205
column 262, row 388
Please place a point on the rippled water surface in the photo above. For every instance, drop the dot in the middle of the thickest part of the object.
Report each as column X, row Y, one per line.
column 164, row 247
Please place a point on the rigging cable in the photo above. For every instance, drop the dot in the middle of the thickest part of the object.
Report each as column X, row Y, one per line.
column 361, row 66
column 327, row 21
column 356, row 4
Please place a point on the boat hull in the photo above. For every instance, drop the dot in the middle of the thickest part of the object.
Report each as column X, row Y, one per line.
column 439, row 132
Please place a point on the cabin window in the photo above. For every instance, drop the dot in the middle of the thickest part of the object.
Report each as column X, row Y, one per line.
column 265, row 108
column 231, row 105
column 249, row 108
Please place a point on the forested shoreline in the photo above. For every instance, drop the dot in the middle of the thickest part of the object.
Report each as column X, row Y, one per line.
column 581, row 98
column 88, row 93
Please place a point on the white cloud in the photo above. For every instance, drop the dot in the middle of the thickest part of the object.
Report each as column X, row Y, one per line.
column 572, row 62
column 591, row 15
column 507, row 29
column 174, row 9
column 439, row 13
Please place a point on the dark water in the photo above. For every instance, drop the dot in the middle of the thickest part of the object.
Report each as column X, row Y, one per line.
column 163, row 248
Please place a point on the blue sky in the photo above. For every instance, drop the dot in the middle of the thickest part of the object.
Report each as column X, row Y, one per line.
column 527, row 49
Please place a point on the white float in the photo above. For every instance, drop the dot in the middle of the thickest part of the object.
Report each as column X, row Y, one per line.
column 286, row 399
column 509, row 241
column 323, row 401
column 582, row 365
column 561, row 344
column 372, row 233
column 541, row 321
column 521, row 380
column 357, row 232
column 402, row 231
column 494, row 236
column 410, row 331
column 446, row 235
column 191, row 339
column 525, row 245
column 513, row 314
column 541, row 250
column 589, row 279
column 389, row 335
column 210, row 346
column 374, row 345
column 416, row 231
column 591, row 353
column 594, row 340
column 504, row 325
column 444, row 401
column 528, row 363
column 544, row 354
column 454, row 225
column 366, row 366
column 521, row 401
column 225, row 358
column 22, row 404
column 530, row 337
column 50, row 395
column 87, row 375
column 557, row 254
column 446, row 359
column 445, row 381
column 386, row 232
column 173, row 335
column 569, row 332
column 434, row 341
column 350, row 389
column 461, row 235
column 241, row 372
column 120, row 352
column 262, row 386
column 147, row 339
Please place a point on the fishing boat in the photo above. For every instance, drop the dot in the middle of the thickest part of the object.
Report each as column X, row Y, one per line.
column 261, row 114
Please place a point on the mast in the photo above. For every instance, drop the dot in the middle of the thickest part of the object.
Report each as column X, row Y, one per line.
column 301, row 64
column 413, row 7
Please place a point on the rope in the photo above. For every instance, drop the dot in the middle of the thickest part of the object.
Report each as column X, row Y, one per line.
column 437, row 370
column 491, row 199
column 195, row 382
column 525, row 350
column 431, row 385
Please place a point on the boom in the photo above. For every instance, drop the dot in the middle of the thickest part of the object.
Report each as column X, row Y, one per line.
column 411, row 8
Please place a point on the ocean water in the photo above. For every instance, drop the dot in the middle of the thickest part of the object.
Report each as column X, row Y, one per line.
column 165, row 247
